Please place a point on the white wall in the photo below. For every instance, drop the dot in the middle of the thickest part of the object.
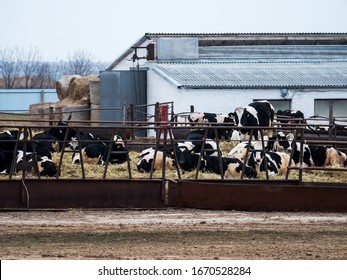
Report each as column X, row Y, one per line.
column 224, row 101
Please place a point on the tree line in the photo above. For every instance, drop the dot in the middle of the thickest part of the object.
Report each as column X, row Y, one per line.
column 20, row 68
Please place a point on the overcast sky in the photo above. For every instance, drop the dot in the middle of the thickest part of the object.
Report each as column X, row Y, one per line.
column 106, row 28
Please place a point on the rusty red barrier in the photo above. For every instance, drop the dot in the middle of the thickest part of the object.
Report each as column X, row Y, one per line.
column 78, row 193
column 253, row 195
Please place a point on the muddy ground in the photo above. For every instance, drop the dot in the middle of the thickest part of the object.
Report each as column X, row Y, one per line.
column 172, row 234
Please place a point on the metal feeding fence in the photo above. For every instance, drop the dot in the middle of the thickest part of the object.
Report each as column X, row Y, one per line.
column 86, row 185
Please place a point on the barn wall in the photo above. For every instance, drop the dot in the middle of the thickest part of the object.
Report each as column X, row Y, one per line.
column 224, row 101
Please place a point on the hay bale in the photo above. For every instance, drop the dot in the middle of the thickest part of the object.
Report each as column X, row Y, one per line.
column 40, row 111
column 62, row 85
column 78, row 92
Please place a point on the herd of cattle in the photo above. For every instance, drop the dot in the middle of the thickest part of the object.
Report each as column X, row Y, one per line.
column 272, row 153
column 38, row 151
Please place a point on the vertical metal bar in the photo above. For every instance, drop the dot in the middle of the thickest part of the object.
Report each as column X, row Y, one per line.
column 331, row 115
column 219, row 154
column 292, row 152
column 263, row 150
column 80, row 152
column 163, row 171
column 51, row 115
column 175, row 155
column 34, row 159
column 109, row 153
column 201, row 153
column 301, row 153
column 247, row 151
column 124, row 137
column 14, row 157
column 62, row 152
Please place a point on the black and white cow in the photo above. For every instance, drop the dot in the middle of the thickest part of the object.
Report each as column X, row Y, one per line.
column 92, row 154
column 60, row 131
column 8, row 138
column 45, row 144
column 259, row 113
column 45, row 166
column 200, row 117
column 327, row 156
column 240, row 150
column 6, row 158
column 320, row 156
column 212, row 164
column 217, row 121
column 276, row 162
column 280, row 142
column 118, row 153
column 97, row 152
column 196, row 137
column 146, row 160
column 290, row 116
column 234, row 171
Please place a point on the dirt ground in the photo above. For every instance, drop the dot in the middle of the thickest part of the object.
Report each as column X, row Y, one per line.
column 172, row 234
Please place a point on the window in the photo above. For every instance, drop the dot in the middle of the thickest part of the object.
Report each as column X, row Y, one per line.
column 339, row 106
column 279, row 104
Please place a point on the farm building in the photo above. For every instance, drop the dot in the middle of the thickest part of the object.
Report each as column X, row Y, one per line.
column 219, row 72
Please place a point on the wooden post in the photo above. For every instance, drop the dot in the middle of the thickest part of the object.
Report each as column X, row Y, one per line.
column 51, row 115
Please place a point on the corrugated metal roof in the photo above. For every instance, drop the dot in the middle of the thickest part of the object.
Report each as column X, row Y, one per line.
column 317, row 38
column 311, row 74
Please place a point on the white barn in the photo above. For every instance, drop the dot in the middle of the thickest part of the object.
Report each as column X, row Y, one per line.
column 219, row 72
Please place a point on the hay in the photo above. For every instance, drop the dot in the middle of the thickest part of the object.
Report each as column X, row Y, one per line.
column 120, row 171
column 78, row 91
column 62, row 85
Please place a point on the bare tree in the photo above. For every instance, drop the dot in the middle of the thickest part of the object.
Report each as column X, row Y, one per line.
column 30, row 65
column 81, row 63
column 43, row 77
column 10, row 66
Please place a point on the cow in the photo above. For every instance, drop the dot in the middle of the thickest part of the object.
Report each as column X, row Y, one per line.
column 8, row 138
column 146, row 161
column 6, row 158
column 118, row 153
column 275, row 162
column 202, row 117
column 290, row 116
column 240, row 150
column 45, row 144
column 212, row 164
column 45, row 165
column 280, row 142
column 327, row 156
column 97, row 152
column 85, row 139
column 319, row 156
column 306, row 158
column 259, row 113
column 234, row 171
column 216, row 121
column 92, row 153
column 60, row 130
